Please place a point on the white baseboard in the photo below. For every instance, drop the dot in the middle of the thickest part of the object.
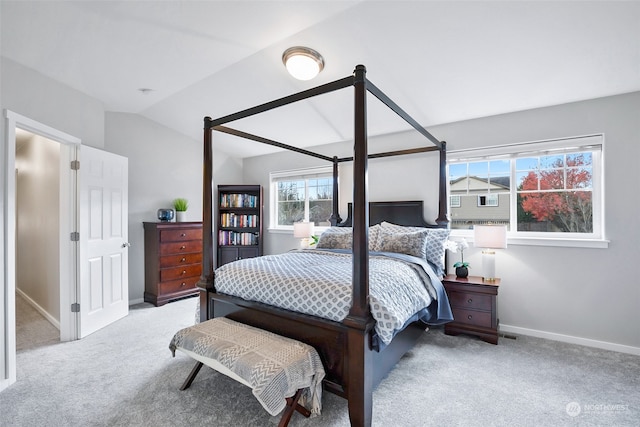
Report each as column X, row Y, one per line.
column 55, row 322
column 135, row 301
column 621, row 348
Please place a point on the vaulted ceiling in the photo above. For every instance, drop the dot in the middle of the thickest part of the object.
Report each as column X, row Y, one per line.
column 442, row 61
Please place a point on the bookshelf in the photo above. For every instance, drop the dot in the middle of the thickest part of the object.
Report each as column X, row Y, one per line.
column 239, row 228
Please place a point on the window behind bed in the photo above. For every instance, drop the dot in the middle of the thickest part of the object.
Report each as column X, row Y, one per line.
column 301, row 195
column 539, row 190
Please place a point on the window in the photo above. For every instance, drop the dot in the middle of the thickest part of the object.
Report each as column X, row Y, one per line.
column 545, row 189
column 488, row 200
column 454, row 201
column 301, row 195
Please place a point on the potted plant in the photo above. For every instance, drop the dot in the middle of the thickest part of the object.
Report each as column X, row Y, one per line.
column 462, row 267
column 181, row 205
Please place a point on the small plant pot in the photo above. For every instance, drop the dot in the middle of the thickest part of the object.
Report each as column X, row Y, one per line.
column 181, row 216
column 462, row 272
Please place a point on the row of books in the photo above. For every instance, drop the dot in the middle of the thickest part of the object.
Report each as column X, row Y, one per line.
column 229, row 238
column 234, row 220
column 233, row 200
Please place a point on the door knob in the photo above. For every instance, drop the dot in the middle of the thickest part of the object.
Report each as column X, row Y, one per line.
column 126, row 244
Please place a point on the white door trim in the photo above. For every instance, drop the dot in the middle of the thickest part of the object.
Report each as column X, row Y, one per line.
column 68, row 223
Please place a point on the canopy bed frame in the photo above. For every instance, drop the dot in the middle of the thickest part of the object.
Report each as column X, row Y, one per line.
column 353, row 367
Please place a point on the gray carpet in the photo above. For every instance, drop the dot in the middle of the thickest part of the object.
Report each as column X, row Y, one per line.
column 124, row 375
column 32, row 329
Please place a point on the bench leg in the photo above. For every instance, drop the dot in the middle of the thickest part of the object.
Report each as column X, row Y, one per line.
column 292, row 405
column 192, row 376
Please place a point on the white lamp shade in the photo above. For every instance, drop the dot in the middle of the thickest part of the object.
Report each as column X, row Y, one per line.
column 490, row 236
column 303, row 230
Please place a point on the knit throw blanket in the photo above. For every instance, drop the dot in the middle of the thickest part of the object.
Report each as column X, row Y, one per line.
column 275, row 367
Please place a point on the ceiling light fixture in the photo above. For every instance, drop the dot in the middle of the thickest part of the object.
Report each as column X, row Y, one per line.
column 302, row 63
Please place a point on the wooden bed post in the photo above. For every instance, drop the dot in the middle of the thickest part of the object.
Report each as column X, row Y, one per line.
column 443, row 202
column 335, row 215
column 359, row 371
column 206, row 280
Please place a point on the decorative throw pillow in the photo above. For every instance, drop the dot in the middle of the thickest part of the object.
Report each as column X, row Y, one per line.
column 435, row 249
column 336, row 238
column 374, row 231
column 410, row 243
column 342, row 238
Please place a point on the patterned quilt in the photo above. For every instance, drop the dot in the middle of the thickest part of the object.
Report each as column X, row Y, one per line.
column 318, row 282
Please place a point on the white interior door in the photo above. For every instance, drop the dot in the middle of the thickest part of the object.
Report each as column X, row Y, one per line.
column 103, row 291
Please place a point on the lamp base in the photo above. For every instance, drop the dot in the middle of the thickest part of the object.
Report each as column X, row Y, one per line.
column 304, row 243
column 489, row 265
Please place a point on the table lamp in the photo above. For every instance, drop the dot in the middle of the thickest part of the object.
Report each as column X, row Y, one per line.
column 489, row 237
column 303, row 231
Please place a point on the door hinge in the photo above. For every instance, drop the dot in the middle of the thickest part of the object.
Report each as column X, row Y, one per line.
column 75, row 307
column 75, row 236
column 75, row 165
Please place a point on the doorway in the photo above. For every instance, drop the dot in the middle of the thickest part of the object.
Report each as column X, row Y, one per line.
column 38, row 258
column 65, row 264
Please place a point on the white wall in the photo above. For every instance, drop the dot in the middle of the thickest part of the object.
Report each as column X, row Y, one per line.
column 37, row 223
column 573, row 294
column 163, row 165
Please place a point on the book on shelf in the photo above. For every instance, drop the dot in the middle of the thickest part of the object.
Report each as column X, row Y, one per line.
column 233, row 200
column 238, row 220
column 236, row 238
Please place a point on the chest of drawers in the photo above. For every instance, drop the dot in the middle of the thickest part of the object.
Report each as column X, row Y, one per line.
column 173, row 260
column 474, row 305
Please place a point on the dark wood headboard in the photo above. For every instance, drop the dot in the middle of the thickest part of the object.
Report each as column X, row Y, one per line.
column 409, row 213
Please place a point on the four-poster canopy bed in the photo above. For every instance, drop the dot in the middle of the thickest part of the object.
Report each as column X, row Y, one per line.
column 352, row 363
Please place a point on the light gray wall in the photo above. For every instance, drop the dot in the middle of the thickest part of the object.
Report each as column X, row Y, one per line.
column 163, row 165
column 29, row 93
column 554, row 291
column 37, row 223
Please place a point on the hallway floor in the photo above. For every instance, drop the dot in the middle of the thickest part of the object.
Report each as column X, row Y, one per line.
column 32, row 328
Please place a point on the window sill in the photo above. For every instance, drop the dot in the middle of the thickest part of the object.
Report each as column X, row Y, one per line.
column 317, row 230
column 545, row 241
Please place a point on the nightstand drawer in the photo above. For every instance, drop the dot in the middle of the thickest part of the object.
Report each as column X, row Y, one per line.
column 472, row 317
column 180, row 235
column 469, row 300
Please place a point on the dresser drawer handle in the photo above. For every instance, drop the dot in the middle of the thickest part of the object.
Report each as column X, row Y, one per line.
column 184, row 271
column 469, row 317
column 183, row 284
column 183, row 235
column 183, row 259
column 182, row 247
column 470, row 300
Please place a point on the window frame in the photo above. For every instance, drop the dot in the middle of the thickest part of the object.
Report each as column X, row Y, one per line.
column 291, row 175
column 596, row 239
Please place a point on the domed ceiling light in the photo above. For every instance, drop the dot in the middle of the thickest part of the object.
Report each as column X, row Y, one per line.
column 302, row 63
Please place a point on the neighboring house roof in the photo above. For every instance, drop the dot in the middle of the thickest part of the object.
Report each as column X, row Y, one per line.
column 477, row 183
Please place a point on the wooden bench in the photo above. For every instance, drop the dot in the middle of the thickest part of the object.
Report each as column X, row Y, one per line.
column 283, row 374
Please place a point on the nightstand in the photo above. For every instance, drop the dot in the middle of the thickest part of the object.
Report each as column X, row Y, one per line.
column 474, row 303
